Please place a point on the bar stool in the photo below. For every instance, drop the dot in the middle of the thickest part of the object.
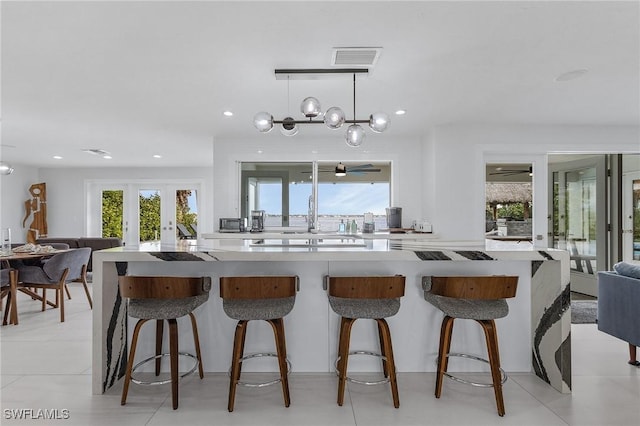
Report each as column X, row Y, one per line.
column 369, row 298
column 477, row 298
column 163, row 298
column 267, row 298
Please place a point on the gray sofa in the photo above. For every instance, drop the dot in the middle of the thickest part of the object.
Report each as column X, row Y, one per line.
column 94, row 243
column 618, row 306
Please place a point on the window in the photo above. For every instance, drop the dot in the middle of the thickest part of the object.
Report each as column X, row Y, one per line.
column 364, row 189
column 285, row 191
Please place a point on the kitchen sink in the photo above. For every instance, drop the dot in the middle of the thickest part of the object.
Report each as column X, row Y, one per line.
column 314, row 242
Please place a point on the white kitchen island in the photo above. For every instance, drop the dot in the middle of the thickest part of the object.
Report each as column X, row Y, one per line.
column 534, row 337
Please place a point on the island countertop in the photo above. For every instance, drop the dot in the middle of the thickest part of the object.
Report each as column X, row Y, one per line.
column 537, row 330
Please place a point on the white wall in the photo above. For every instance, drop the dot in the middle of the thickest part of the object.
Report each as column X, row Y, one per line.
column 14, row 191
column 439, row 178
column 66, row 200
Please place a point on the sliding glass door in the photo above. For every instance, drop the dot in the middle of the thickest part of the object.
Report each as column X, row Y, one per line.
column 631, row 217
column 578, row 218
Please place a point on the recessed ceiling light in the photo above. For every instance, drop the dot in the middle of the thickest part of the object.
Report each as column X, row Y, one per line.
column 260, row 151
column 157, row 156
column 57, row 157
column 571, row 75
column 314, row 151
column 107, row 157
column 227, row 113
column 401, row 112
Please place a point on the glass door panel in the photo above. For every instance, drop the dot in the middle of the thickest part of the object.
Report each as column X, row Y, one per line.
column 149, row 216
column 578, row 218
column 631, row 217
column 113, row 213
column 186, row 211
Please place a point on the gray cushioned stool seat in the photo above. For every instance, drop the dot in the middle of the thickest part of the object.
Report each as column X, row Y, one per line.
column 258, row 309
column 469, row 309
column 165, row 308
column 364, row 308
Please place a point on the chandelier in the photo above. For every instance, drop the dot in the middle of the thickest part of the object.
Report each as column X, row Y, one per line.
column 333, row 117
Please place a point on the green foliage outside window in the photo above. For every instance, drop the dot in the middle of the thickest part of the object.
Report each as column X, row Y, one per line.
column 112, row 214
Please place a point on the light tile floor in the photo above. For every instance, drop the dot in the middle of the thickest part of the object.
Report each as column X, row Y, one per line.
column 47, row 365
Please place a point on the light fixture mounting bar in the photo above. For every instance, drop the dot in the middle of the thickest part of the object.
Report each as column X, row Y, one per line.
column 317, row 73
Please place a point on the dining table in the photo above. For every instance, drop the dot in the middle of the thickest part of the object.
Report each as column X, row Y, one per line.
column 6, row 261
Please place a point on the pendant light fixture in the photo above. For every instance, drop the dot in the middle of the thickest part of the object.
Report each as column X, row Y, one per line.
column 333, row 118
column 5, row 168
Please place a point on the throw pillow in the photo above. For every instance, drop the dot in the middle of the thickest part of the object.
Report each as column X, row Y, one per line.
column 627, row 269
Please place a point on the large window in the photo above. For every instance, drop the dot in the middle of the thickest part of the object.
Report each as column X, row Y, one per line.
column 364, row 189
column 285, row 191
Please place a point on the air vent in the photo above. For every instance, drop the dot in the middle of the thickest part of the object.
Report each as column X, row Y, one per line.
column 355, row 56
column 95, row 151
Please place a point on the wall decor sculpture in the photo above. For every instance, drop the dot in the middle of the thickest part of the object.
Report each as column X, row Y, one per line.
column 36, row 208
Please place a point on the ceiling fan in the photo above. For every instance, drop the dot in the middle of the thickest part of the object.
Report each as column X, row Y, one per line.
column 511, row 172
column 342, row 170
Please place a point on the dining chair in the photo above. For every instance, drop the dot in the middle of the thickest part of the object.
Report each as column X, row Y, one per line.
column 60, row 269
column 8, row 282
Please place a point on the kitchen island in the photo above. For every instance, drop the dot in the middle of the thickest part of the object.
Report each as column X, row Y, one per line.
column 534, row 337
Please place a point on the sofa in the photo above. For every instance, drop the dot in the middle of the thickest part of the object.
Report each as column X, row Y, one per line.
column 95, row 243
column 619, row 302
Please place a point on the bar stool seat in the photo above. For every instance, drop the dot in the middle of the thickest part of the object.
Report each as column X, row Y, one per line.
column 480, row 298
column 267, row 298
column 163, row 299
column 377, row 298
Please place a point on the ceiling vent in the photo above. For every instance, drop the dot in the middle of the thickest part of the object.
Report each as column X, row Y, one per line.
column 94, row 151
column 355, row 56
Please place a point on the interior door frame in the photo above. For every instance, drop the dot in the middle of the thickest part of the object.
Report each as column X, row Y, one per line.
column 131, row 208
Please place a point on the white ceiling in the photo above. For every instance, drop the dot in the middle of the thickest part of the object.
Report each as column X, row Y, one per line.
column 138, row 78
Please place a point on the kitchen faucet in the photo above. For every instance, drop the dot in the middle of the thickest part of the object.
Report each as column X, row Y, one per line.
column 310, row 215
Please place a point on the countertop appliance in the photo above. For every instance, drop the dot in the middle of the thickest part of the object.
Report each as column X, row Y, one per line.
column 257, row 220
column 233, row 224
column 394, row 217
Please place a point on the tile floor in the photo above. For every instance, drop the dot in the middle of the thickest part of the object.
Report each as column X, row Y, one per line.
column 47, row 365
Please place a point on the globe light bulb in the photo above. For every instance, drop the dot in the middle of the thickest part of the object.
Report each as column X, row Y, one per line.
column 334, row 118
column 355, row 135
column 263, row 121
column 310, row 107
column 379, row 122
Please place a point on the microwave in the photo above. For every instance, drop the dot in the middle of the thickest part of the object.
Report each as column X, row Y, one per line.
column 233, row 224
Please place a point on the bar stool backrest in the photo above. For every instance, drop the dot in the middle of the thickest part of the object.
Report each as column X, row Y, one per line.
column 386, row 287
column 259, row 287
column 478, row 288
column 149, row 287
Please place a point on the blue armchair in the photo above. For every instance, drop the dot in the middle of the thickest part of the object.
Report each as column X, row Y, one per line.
column 618, row 302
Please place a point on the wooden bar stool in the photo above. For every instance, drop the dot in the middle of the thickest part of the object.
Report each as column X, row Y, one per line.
column 370, row 298
column 477, row 298
column 267, row 298
column 160, row 299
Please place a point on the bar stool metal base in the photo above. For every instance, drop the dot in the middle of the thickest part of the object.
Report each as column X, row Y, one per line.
column 363, row 382
column 261, row 384
column 162, row 382
column 468, row 382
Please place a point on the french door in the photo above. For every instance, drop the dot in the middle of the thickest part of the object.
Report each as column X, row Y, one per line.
column 631, row 217
column 145, row 213
column 578, row 220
